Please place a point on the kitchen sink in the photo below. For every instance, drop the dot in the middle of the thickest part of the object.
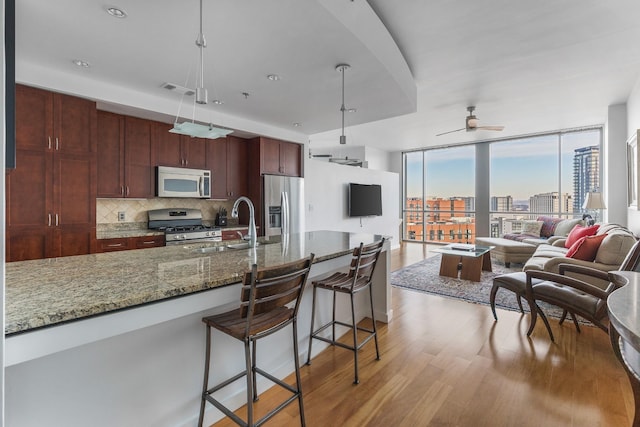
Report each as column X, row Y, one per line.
column 231, row 246
column 211, row 249
column 238, row 246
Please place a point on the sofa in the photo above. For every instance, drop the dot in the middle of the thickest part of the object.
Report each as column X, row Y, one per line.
column 615, row 241
column 519, row 247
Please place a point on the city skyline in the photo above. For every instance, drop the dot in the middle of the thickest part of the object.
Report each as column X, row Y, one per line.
column 519, row 168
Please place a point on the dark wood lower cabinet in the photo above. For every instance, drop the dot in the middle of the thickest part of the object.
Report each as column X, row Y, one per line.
column 146, row 242
column 233, row 234
column 27, row 243
column 24, row 244
column 126, row 243
column 72, row 240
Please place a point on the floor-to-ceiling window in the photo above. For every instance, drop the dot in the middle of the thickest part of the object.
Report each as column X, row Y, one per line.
column 440, row 195
column 542, row 175
column 546, row 174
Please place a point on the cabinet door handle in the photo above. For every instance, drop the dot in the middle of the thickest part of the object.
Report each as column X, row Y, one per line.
column 127, row 193
column 57, row 144
column 49, row 222
column 122, row 190
column 148, row 242
column 114, row 245
column 49, row 143
column 57, row 220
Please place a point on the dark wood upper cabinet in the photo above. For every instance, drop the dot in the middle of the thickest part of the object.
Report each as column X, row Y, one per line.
column 227, row 158
column 125, row 167
column 110, row 154
column 195, row 152
column 138, row 166
column 51, row 193
column 173, row 149
column 217, row 164
column 34, row 119
column 237, row 166
column 279, row 157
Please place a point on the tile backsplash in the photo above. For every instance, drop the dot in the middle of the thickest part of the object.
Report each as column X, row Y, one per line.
column 135, row 210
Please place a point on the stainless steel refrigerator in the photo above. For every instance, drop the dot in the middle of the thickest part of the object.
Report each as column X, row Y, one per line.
column 283, row 205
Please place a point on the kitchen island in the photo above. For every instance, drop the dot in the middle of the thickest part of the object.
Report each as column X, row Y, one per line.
column 116, row 338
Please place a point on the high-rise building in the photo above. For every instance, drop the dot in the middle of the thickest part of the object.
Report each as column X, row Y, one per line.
column 550, row 203
column 501, row 203
column 586, row 174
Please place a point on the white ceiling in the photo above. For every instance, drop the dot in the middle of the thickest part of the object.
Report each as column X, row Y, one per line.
column 530, row 66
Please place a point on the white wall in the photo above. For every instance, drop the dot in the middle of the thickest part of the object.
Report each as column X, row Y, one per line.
column 326, row 192
column 377, row 159
column 633, row 124
column 614, row 155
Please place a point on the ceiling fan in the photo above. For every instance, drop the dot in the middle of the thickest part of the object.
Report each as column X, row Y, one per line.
column 471, row 124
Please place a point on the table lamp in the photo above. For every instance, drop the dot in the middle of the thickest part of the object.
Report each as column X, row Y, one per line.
column 593, row 201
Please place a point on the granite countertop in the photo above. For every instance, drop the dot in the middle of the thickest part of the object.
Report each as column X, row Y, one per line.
column 51, row 291
column 624, row 307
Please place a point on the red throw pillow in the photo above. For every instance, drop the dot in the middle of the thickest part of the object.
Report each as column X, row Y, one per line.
column 578, row 232
column 586, row 248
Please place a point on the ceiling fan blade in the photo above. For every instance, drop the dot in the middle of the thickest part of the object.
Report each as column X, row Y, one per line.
column 490, row 127
column 451, row 131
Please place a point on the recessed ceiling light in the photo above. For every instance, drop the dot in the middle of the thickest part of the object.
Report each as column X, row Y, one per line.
column 217, row 102
column 297, row 125
column 116, row 12
column 351, row 110
column 81, row 63
column 273, row 77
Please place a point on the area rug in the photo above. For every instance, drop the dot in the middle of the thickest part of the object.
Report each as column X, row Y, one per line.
column 424, row 276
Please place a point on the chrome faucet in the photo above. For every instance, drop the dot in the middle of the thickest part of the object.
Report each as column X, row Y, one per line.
column 251, row 236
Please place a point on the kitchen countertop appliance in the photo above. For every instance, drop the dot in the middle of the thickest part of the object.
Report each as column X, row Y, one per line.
column 182, row 226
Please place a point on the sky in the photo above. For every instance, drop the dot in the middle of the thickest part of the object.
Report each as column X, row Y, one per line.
column 520, row 168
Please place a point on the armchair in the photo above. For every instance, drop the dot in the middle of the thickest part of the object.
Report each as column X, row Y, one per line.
column 575, row 296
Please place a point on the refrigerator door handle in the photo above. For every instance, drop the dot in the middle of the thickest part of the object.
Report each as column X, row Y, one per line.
column 285, row 212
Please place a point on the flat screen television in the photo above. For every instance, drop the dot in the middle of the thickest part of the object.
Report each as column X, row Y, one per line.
column 365, row 199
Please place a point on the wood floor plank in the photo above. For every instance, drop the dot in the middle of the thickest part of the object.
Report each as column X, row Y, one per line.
column 445, row 362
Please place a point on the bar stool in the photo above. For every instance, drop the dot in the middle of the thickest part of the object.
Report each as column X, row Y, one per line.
column 269, row 301
column 357, row 279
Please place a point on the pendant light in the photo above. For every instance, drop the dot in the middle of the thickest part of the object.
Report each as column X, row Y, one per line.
column 193, row 129
column 342, row 68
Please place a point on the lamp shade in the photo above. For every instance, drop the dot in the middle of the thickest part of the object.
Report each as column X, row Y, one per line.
column 594, row 200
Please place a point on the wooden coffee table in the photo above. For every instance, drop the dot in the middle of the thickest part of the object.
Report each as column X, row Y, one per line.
column 467, row 260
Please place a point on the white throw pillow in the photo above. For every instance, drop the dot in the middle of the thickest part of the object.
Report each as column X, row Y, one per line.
column 531, row 228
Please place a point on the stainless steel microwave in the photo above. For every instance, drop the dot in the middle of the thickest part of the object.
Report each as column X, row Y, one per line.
column 183, row 182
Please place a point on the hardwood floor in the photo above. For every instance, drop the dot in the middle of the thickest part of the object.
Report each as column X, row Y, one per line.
column 446, row 362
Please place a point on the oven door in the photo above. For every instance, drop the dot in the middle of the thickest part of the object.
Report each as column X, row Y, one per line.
column 182, row 182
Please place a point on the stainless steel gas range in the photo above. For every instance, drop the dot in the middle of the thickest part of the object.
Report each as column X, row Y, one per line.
column 183, row 226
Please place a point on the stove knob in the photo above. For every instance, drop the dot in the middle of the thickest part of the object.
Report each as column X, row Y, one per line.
column 208, row 234
column 183, row 237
